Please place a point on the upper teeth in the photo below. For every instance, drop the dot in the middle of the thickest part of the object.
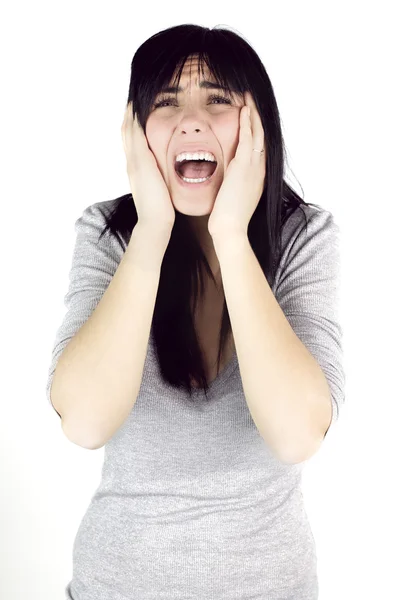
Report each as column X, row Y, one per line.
column 195, row 156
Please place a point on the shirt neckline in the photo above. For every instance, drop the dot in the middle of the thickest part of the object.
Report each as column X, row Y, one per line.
column 217, row 384
column 220, row 380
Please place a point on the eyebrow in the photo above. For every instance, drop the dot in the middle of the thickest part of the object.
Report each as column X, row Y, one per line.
column 209, row 85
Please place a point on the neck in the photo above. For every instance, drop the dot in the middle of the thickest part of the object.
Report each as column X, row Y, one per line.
column 200, row 230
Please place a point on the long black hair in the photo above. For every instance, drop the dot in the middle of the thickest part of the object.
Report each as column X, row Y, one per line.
column 236, row 66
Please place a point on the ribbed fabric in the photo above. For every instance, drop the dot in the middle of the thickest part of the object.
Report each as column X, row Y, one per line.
column 192, row 504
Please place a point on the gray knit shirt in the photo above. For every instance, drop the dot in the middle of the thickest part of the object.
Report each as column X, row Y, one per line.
column 192, row 504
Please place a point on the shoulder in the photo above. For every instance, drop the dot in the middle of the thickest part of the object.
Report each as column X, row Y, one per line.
column 310, row 239
column 307, row 223
column 101, row 210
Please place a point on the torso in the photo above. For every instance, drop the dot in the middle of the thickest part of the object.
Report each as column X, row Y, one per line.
column 207, row 325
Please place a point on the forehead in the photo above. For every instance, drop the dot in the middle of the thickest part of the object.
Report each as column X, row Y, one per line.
column 193, row 75
column 192, row 64
column 191, row 71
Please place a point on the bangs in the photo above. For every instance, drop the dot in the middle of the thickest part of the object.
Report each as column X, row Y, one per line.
column 220, row 73
column 157, row 68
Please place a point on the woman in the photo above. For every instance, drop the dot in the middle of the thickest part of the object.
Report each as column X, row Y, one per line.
column 206, row 402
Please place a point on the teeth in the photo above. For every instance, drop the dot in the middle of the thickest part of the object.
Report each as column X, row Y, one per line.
column 195, row 180
column 195, row 156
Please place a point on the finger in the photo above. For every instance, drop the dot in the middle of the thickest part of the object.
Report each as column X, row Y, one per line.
column 126, row 118
column 133, row 118
column 256, row 125
column 244, row 148
column 128, row 115
column 126, row 128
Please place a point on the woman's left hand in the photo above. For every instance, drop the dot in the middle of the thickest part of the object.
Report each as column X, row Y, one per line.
column 243, row 184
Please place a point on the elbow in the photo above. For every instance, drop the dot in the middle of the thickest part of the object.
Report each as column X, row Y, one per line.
column 290, row 455
column 307, row 446
column 295, row 458
column 79, row 438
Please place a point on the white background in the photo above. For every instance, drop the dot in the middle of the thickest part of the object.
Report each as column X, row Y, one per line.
column 65, row 70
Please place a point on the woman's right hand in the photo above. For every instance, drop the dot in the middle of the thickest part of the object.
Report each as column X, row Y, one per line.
column 149, row 191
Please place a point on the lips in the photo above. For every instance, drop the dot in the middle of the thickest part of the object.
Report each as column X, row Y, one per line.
column 192, row 148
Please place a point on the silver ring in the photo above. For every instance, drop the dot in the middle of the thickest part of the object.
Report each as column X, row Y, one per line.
column 261, row 151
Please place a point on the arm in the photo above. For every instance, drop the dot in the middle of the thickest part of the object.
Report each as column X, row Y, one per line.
column 98, row 375
column 286, row 391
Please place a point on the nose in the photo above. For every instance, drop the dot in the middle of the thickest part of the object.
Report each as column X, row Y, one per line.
column 192, row 120
column 186, row 130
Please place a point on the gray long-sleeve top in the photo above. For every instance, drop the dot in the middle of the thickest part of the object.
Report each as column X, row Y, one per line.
column 192, row 504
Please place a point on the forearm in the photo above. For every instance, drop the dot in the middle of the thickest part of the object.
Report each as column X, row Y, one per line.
column 99, row 373
column 285, row 388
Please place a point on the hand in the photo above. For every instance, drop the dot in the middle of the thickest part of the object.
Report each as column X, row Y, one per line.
column 243, row 184
column 149, row 190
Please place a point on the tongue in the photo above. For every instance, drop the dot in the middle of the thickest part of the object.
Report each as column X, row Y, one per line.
column 194, row 169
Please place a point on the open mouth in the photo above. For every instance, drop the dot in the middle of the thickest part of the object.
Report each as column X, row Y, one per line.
column 195, row 171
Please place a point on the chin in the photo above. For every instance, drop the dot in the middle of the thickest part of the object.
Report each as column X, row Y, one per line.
column 194, row 209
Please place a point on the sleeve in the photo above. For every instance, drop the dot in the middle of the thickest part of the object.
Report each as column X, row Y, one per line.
column 93, row 266
column 308, row 291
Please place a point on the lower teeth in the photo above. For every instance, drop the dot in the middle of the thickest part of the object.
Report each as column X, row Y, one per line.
column 195, row 180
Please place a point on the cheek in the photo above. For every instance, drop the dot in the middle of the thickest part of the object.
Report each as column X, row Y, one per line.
column 229, row 147
column 157, row 140
column 228, row 136
column 150, row 132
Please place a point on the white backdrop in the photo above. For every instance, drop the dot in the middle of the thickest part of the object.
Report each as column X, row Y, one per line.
column 65, row 70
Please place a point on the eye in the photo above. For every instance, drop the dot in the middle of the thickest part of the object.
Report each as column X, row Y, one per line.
column 170, row 99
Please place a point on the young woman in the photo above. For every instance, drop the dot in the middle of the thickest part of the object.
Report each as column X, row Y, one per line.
column 201, row 345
